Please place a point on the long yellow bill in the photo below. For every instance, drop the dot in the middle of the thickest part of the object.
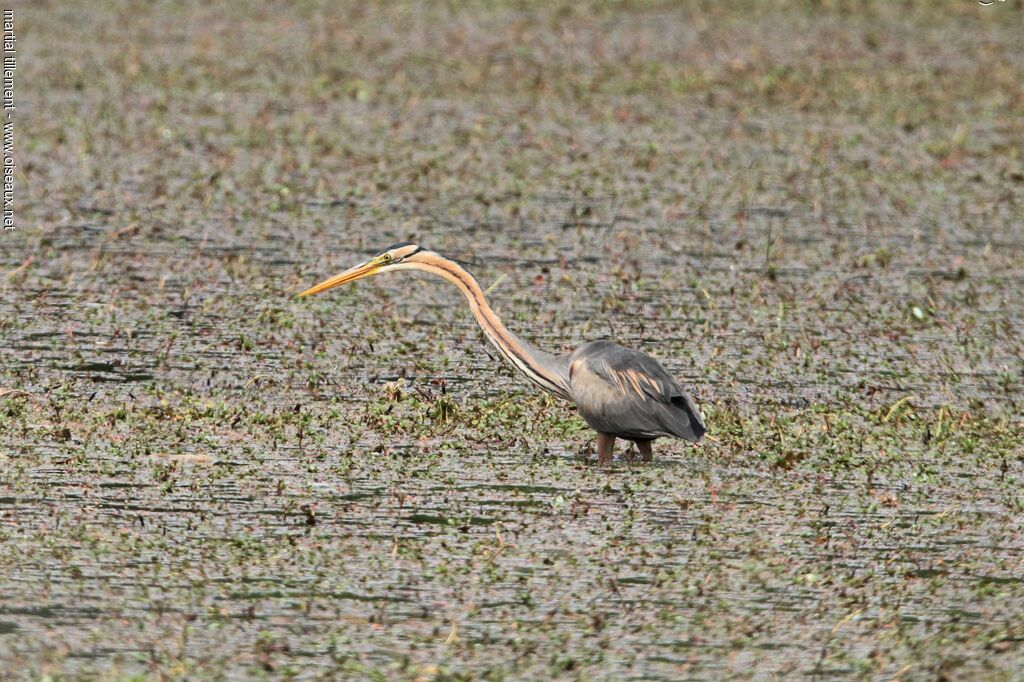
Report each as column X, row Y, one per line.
column 350, row 275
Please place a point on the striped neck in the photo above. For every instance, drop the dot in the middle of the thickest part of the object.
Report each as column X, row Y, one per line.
column 549, row 372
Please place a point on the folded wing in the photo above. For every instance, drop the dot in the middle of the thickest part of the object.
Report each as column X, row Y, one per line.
column 629, row 394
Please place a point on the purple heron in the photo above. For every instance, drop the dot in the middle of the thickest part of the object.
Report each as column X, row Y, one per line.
column 619, row 392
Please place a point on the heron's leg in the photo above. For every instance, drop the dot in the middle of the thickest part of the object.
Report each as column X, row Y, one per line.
column 644, row 446
column 605, row 445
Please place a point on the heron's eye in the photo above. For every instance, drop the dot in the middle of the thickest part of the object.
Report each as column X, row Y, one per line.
column 386, row 257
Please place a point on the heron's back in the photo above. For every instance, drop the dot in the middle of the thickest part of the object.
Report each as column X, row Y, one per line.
column 630, row 395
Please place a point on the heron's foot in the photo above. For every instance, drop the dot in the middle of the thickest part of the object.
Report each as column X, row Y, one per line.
column 605, row 446
column 646, row 453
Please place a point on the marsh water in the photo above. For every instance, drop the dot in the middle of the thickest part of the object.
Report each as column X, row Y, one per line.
column 811, row 216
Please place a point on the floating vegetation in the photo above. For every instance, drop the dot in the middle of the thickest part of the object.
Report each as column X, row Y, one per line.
column 811, row 213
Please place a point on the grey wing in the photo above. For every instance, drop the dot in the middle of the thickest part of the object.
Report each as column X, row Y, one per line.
column 629, row 394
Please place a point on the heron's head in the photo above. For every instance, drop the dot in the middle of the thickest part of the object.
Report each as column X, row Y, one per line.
column 392, row 257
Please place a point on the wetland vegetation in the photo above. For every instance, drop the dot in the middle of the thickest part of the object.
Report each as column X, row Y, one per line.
column 811, row 212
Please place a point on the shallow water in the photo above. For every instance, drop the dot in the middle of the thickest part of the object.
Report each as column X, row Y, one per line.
column 203, row 477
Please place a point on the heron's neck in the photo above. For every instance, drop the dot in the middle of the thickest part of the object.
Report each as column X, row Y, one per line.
column 548, row 371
